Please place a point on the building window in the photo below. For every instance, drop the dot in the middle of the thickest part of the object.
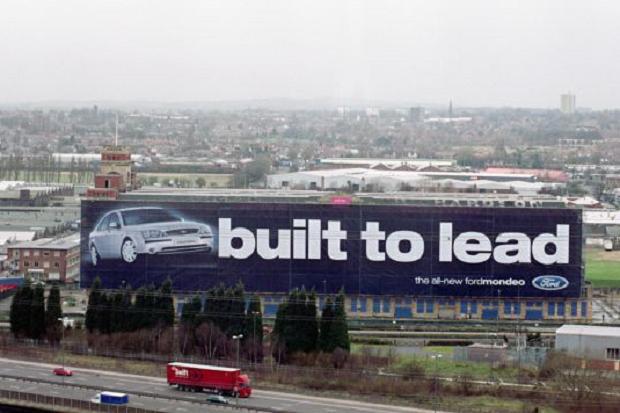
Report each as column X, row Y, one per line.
column 46, row 253
column 386, row 305
column 26, row 264
column 56, row 253
column 551, row 309
column 26, row 253
column 561, row 309
column 376, row 305
column 463, row 307
column 16, row 254
column 36, row 263
column 35, row 253
column 56, row 265
column 362, row 305
column 353, row 304
column 584, row 309
column 420, row 306
column 430, row 306
column 573, row 309
column 613, row 353
column 46, row 264
column 508, row 308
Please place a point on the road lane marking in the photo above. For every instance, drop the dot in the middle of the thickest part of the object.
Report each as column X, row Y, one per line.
column 260, row 394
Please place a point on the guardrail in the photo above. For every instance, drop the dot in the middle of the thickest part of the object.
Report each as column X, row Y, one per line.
column 97, row 407
column 56, row 403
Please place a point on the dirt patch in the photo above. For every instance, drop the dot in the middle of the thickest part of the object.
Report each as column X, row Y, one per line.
column 600, row 254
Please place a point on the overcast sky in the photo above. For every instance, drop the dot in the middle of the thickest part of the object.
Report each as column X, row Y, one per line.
column 483, row 53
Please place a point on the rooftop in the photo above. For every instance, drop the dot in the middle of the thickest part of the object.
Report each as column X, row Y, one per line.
column 582, row 330
column 64, row 243
column 160, row 194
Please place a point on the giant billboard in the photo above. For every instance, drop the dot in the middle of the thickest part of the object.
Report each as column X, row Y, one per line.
column 365, row 249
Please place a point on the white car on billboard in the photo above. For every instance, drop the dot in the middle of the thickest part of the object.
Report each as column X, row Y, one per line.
column 126, row 233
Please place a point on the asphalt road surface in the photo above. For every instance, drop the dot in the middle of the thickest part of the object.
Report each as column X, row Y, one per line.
column 126, row 383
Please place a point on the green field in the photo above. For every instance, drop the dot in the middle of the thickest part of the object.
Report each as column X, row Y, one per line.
column 603, row 268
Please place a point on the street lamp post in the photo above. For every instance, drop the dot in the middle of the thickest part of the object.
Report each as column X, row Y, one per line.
column 62, row 343
column 499, row 292
column 254, row 344
column 237, row 338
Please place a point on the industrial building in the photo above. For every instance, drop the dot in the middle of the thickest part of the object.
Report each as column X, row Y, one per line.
column 496, row 306
column 589, row 342
column 379, row 180
column 201, row 237
column 390, row 163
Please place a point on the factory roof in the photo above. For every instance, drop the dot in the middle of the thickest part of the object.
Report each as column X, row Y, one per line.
column 582, row 330
column 160, row 194
column 16, row 236
column 63, row 243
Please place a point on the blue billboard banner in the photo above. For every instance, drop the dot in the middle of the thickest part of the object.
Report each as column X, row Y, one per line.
column 365, row 249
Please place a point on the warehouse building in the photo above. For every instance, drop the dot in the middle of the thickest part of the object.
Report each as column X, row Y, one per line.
column 377, row 180
column 589, row 342
column 497, row 305
column 393, row 253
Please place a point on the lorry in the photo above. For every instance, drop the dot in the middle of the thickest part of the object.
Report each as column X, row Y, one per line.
column 199, row 377
column 109, row 397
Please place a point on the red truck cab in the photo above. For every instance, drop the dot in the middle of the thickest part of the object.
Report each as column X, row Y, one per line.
column 198, row 377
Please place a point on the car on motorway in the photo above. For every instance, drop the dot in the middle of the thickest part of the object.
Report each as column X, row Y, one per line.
column 217, row 399
column 124, row 234
column 62, row 371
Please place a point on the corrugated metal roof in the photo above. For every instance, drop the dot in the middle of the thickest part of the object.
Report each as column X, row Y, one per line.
column 588, row 330
column 64, row 243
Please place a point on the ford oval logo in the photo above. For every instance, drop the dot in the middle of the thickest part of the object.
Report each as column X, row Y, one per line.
column 550, row 282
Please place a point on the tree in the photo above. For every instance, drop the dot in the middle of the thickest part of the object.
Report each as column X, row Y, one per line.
column 201, row 182
column 92, row 310
column 37, row 313
column 327, row 319
column 53, row 326
column 191, row 310
column 311, row 324
column 126, row 323
column 15, row 316
column 140, row 317
column 117, row 315
column 296, row 326
column 104, row 318
column 258, row 168
column 166, row 304
column 339, row 332
column 20, row 310
column 150, row 311
column 236, row 309
column 189, row 322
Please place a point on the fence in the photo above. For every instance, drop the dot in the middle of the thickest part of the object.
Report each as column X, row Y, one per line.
column 87, row 405
column 532, row 356
column 64, row 404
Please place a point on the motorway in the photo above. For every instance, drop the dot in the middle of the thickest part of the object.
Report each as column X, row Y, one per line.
column 276, row 400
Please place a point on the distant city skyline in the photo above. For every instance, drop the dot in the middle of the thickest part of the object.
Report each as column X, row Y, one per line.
column 478, row 53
